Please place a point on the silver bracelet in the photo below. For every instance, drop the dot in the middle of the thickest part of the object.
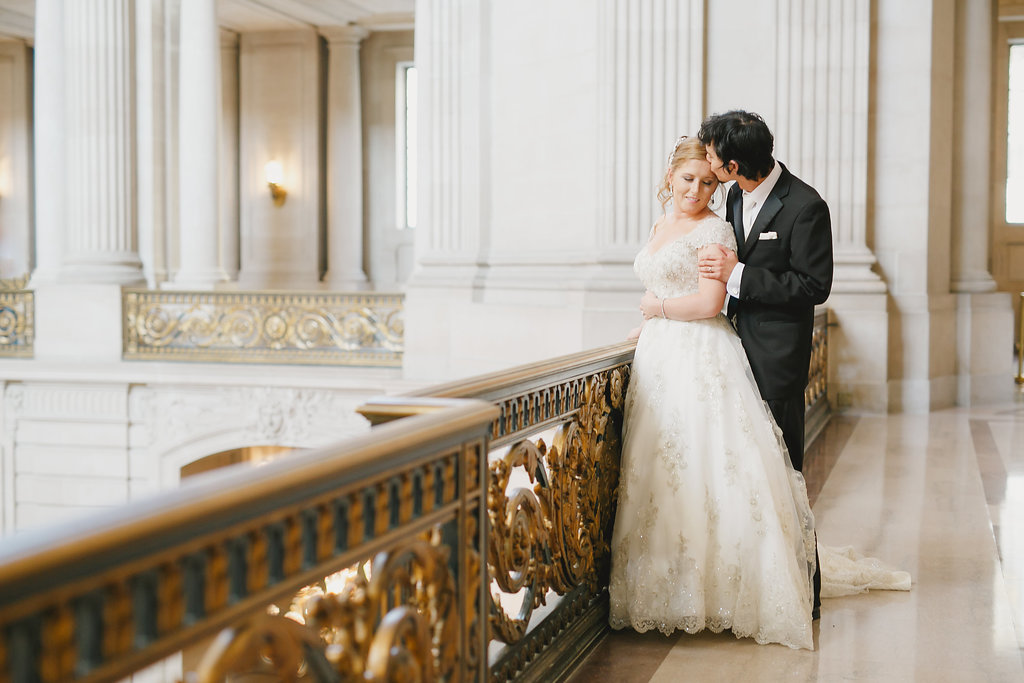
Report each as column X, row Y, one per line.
column 663, row 310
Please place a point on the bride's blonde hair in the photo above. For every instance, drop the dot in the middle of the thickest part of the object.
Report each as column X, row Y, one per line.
column 686, row 149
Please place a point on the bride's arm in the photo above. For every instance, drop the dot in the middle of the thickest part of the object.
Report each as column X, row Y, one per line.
column 706, row 303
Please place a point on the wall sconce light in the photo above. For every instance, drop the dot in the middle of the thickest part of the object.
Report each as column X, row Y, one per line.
column 275, row 176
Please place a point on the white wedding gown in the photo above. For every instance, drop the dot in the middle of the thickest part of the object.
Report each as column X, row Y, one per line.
column 713, row 528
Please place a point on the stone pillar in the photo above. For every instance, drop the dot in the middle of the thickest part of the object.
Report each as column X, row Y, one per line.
column 972, row 156
column 15, row 159
column 344, row 160
column 822, row 135
column 48, row 91
column 652, row 92
column 229, row 159
column 198, row 153
column 984, row 317
column 100, row 227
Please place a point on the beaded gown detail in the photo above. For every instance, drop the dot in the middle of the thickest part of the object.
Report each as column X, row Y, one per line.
column 713, row 529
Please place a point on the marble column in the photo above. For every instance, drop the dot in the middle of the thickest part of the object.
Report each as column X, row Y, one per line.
column 652, row 66
column 229, row 157
column 972, row 155
column 344, row 160
column 822, row 134
column 822, row 121
column 984, row 317
column 15, row 159
column 48, row 109
column 101, row 243
column 198, row 151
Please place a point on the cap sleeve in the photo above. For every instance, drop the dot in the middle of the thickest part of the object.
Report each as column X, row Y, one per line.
column 717, row 231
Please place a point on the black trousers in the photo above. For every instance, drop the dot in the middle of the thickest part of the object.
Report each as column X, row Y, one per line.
column 789, row 415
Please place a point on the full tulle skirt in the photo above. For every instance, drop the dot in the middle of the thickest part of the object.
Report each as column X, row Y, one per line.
column 713, row 529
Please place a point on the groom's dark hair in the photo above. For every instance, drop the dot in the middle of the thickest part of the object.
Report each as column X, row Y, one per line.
column 743, row 137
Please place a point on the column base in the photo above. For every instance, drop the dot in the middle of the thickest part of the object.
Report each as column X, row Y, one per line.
column 79, row 322
column 351, row 281
column 858, row 352
column 199, row 280
column 985, row 337
column 113, row 272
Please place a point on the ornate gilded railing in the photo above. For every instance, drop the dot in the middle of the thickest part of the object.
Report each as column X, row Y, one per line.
column 365, row 329
column 554, row 466
column 816, row 402
column 467, row 539
column 17, row 318
column 403, row 508
column 1019, row 378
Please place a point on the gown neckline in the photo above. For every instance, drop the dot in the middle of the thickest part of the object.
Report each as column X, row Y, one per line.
column 680, row 238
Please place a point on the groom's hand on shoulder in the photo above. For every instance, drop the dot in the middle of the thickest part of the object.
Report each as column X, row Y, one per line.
column 715, row 262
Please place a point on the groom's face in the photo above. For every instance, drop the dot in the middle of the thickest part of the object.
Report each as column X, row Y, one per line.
column 722, row 171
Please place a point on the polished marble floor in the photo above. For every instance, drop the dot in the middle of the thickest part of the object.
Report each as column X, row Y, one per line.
column 940, row 495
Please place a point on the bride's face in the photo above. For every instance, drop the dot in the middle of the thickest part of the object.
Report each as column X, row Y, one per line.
column 693, row 183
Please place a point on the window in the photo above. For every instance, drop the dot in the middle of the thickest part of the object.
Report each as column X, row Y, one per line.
column 1015, row 137
column 405, row 143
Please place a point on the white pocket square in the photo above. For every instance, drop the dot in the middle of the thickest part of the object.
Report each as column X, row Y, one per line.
column 768, row 236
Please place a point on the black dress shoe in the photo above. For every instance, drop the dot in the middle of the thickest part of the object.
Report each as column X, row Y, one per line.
column 815, row 614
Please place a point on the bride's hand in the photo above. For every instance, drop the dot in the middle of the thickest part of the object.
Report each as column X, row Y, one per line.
column 650, row 305
column 634, row 333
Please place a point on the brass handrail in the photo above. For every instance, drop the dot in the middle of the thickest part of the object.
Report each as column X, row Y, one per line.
column 101, row 598
column 423, row 515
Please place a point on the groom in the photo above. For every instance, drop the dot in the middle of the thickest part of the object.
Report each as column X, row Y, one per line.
column 783, row 267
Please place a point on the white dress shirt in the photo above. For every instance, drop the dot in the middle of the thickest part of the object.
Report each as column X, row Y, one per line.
column 752, row 203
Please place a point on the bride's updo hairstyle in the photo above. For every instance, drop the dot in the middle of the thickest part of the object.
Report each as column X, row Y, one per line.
column 687, row 148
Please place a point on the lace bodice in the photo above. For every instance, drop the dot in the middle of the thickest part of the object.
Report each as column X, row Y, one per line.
column 672, row 269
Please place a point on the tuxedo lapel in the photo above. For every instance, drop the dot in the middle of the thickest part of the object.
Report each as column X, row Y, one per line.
column 737, row 217
column 772, row 206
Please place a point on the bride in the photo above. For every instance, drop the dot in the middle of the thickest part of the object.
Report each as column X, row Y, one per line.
column 713, row 528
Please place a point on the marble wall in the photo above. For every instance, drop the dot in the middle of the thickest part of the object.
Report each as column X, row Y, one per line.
column 542, row 154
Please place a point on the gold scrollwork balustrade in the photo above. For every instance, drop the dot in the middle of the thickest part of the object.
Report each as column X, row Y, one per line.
column 549, row 528
column 101, row 598
column 363, row 329
column 501, row 486
column 816, row 405
column 17, row 318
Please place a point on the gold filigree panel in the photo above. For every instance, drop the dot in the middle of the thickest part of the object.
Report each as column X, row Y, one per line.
column 17, row 324
column 554, row 535
column 359, row 329
column 394, row 618
column 817, row 380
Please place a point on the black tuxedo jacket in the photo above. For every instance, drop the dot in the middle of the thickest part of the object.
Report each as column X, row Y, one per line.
column 787, row 271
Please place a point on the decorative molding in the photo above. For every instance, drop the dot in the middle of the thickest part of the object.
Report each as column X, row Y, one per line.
column 62, row 401
column 174, row 425
column 17, row 321
column 264, row 327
